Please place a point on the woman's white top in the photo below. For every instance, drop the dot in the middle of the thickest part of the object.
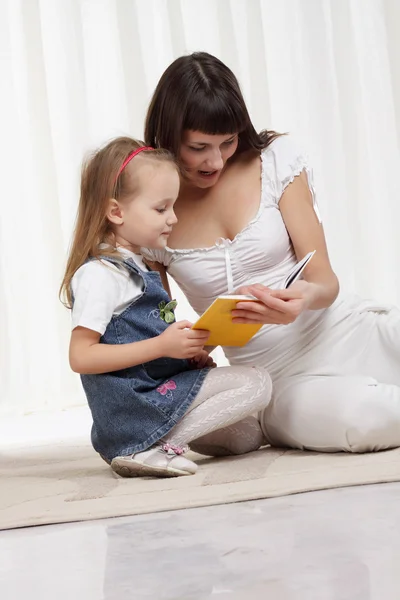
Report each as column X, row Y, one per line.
column 261, row 253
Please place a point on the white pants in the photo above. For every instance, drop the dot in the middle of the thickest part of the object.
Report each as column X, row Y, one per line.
column 346, row 392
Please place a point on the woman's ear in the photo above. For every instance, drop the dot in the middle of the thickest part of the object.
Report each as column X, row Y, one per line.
column 114, row 212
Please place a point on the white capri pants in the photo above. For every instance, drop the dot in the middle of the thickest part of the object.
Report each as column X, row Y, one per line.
column 351, row 404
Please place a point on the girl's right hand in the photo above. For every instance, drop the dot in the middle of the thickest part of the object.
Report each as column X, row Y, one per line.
column 180, row 341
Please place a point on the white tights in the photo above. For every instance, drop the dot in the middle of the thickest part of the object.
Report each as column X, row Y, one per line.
column 228, row 395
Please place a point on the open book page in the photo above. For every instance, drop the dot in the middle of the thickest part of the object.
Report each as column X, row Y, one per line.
column 298, row 269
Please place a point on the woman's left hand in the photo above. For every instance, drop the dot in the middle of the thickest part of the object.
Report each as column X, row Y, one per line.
column 278, row 307
column 203, row 359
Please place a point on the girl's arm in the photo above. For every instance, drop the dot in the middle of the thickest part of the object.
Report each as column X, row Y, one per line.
column 88, row 356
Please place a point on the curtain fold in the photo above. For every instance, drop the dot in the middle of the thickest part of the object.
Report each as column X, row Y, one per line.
column 75, row 74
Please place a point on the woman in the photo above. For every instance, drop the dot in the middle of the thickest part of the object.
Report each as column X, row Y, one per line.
column 242, row 225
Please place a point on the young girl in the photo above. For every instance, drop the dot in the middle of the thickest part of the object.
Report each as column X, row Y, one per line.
column 148, row 380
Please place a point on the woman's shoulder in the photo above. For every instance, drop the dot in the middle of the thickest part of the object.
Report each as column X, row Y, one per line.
column 159, row 255
column 284, row 150
column 284, row 147
column 285, row 156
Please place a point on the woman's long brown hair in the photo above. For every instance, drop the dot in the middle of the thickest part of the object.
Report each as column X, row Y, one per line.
column 198, row 92
column 99, row 183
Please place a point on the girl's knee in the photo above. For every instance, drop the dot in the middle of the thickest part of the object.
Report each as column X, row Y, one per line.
column 261, row 386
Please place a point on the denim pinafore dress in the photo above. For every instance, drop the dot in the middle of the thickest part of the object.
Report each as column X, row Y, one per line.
column 136, row 407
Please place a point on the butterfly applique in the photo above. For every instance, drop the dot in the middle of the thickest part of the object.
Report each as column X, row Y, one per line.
column 167, row 311
column 165, row 388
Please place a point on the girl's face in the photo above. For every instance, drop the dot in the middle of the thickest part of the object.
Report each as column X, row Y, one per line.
column 146, row 220
column 203, row 156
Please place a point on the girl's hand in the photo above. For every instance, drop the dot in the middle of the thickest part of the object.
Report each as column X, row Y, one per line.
column 180, row 341
column 203, row 359
column 275, row 307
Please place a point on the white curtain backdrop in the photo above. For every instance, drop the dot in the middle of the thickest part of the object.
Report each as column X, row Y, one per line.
column 74, row 73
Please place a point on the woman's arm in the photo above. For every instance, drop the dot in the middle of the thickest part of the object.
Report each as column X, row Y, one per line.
column 306, row 234
column 156, row 266
column 320, row 286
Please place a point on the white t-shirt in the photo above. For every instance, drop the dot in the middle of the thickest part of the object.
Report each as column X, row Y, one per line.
column 102, row 290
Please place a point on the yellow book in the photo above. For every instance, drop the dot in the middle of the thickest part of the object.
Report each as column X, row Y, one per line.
column 218, row 319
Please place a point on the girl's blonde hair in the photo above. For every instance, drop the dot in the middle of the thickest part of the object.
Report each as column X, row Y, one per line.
column 100, row 182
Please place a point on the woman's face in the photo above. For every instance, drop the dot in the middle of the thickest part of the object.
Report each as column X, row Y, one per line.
column 203, row 156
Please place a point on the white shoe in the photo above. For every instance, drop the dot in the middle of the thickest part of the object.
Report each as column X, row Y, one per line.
column 159, row 461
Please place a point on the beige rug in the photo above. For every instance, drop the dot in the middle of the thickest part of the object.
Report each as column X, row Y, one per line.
column 43, row 485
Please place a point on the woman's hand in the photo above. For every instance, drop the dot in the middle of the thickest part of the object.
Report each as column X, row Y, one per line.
column 202, row 359
column 274, row 307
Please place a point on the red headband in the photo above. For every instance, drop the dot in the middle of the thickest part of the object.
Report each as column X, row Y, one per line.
column 129, row 158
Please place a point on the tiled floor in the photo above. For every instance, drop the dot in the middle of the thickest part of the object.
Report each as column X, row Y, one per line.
column 332, row 545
